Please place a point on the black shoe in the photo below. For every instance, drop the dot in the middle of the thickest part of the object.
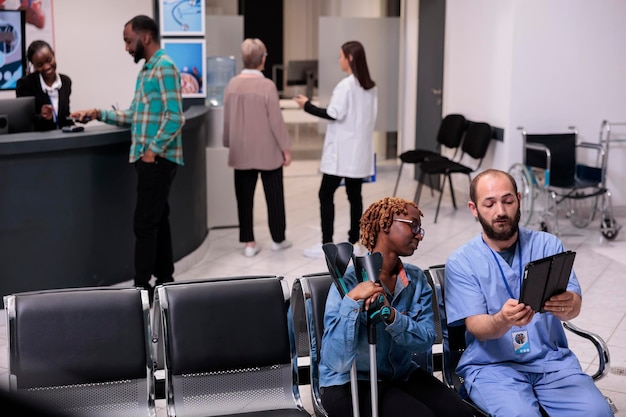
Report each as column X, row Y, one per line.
column 163, row 281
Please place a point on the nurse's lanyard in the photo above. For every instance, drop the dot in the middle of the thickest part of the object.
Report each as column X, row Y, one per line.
column 495, row 257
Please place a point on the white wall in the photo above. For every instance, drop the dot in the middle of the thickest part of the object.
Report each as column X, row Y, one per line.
column 90, row 49
column 540, row 64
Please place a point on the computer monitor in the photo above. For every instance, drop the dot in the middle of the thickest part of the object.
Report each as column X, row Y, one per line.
column 17, row 115
column 303, row 72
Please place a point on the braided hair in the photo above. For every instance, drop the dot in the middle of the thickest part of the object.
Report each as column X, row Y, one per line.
column 379, row 216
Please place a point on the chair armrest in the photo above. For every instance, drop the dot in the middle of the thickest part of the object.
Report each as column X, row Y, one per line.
column 597, row 146
column 604, row 358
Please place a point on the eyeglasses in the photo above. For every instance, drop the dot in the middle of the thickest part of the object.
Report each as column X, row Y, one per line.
column 416, row 229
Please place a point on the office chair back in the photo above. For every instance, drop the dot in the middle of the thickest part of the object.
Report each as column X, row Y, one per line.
column 82, row 351
column 477, row 140
column 476, row 143
column 451, row 130
column 227, row 347
column 449, row 135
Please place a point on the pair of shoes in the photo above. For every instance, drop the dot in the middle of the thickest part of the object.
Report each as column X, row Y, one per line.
column 282, row 245
column 251, row 251
column 359, row 249
column 314, row 251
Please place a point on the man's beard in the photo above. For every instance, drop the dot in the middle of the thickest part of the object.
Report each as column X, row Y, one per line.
column 505, row 234
column 139, row 52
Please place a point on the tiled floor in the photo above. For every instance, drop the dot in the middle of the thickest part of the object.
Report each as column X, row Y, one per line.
column 599, row 264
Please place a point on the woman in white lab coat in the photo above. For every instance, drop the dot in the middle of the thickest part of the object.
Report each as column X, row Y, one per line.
column 348, row 152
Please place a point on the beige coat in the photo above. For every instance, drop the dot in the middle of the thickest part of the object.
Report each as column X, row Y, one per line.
column 254, row 129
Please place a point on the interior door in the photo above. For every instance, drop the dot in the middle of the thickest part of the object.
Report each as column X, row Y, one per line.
column 432, row 14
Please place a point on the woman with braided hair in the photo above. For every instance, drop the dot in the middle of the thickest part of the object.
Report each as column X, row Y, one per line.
column 393, row 227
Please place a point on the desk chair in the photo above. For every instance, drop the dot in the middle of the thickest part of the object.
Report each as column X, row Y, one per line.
column 82, row 351
column 475, row 145
column 449, row 136
column 228, row 348
column 454, row 343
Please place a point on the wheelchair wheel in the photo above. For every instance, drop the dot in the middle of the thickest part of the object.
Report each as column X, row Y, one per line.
column 609, row 228
column 581, row 211
column 524, row 181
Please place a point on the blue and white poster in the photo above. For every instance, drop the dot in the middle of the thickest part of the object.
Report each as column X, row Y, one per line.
column 189, row 56
column 182, row 17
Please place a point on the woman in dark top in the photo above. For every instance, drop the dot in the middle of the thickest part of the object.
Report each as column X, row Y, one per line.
column 50, row 89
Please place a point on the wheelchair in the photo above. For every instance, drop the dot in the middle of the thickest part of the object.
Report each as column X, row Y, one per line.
column 560, row 173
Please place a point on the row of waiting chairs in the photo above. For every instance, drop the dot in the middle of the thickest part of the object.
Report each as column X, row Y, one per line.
column 225, row 346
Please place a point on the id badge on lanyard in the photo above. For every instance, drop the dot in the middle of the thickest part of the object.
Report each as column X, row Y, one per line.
column 521, row 344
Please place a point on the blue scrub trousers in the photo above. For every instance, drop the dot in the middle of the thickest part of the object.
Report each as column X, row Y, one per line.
column 506, row 392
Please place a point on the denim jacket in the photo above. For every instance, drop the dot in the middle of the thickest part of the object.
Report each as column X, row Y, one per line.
column 345, row 331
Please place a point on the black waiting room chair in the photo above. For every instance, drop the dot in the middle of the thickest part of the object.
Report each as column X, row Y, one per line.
column 473, row 151
column 454, row 342
column 308, row 301
column 81, row 351
column 228, row 348
column 449, row 136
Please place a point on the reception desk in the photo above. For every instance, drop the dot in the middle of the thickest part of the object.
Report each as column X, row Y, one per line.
column 67, row 203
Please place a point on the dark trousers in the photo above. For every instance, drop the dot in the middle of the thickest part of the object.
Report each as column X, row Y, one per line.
column 153, row 244
column 245, row 185
column 329, row 185
column 421, row 395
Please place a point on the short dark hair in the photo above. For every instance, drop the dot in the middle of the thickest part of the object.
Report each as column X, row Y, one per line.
column 143, row 23
column 36, row 46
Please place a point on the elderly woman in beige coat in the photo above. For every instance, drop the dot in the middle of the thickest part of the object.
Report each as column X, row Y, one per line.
column 259, row 144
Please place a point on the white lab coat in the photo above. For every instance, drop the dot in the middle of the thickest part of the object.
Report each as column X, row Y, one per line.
column 349, row 143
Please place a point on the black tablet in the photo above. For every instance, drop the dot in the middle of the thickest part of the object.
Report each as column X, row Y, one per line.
column 546, row 277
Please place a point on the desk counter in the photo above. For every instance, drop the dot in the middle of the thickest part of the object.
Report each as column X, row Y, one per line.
column 67, row 203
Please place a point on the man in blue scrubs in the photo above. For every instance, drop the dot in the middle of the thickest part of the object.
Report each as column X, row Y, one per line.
column 516, row 359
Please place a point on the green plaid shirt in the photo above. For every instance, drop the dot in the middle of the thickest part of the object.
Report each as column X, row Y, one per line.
column 155, row 115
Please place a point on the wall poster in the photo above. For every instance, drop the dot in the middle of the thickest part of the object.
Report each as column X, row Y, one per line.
column 190, row 58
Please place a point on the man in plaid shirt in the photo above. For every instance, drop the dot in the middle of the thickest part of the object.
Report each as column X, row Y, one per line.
column 156, row 120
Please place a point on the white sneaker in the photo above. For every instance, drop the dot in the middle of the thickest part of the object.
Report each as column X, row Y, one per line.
column 282, row 245
column 314, row 251
column 359, row 249
column 251, row 251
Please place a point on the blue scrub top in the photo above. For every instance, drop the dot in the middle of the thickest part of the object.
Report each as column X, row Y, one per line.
column 475, row 285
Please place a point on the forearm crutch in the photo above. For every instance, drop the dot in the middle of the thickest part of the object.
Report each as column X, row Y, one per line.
column 369, row 267
column 337, row 259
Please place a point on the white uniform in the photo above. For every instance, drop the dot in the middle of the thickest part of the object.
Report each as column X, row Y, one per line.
column 349, row 143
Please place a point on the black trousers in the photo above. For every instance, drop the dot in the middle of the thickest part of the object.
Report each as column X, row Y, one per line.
column 153, row 244
column 245, row 186
column 422, row 395
column 329, row 185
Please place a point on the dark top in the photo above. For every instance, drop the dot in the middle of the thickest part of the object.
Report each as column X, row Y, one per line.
column 30, row 86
